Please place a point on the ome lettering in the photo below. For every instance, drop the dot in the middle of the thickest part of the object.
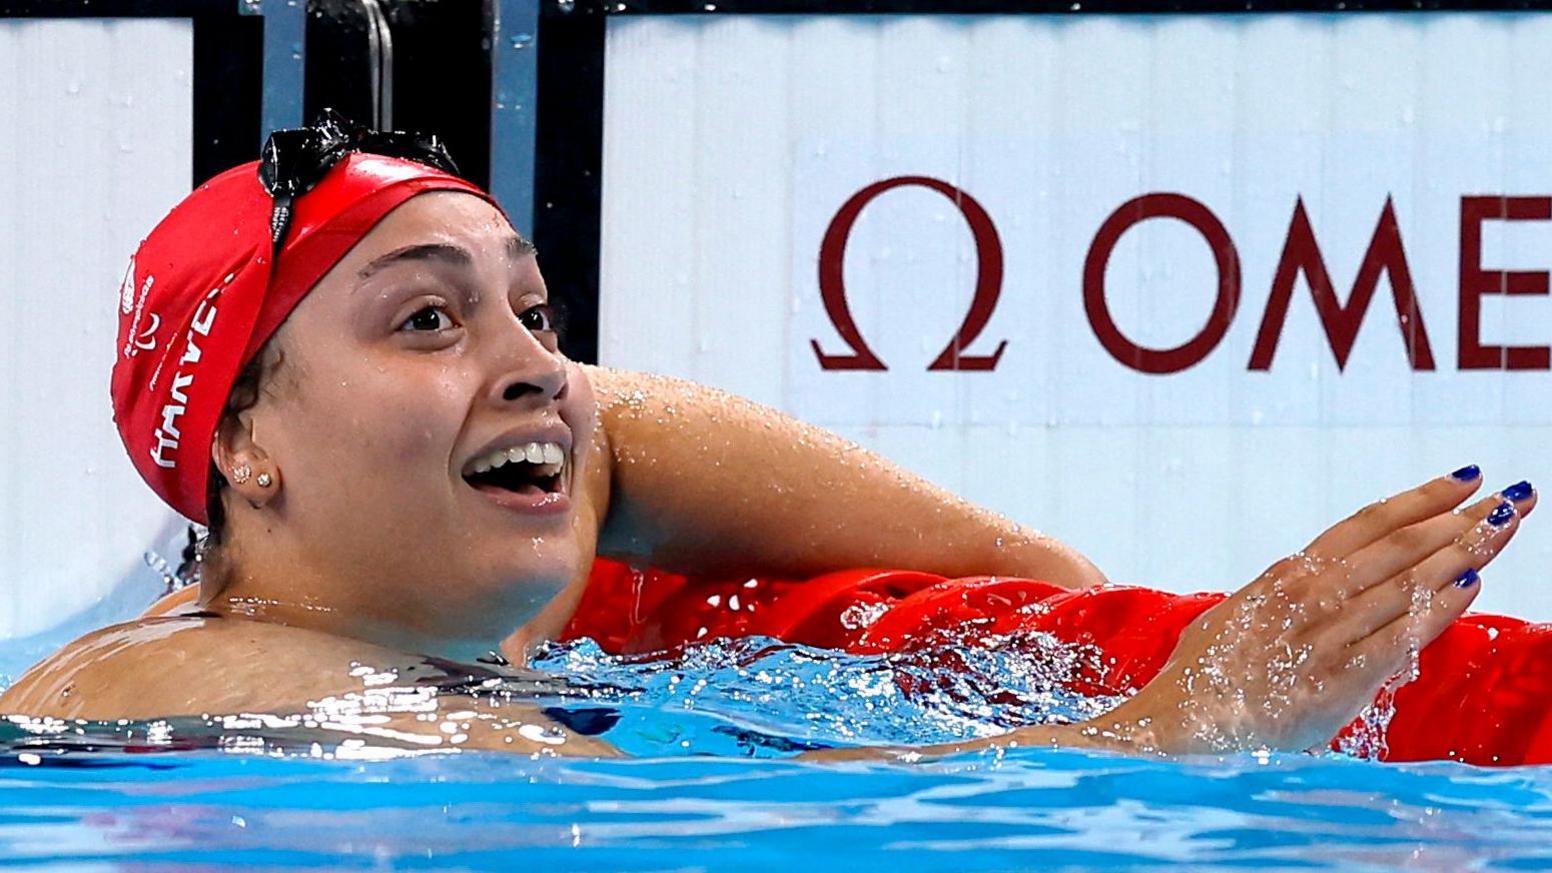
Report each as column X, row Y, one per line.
column 1301, row 256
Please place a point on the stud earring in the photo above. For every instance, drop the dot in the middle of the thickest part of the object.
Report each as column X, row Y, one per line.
column 240, row 473
column 263, row 480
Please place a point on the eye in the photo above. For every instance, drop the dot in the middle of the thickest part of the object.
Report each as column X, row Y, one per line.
column 428, row 318
column 538, row 318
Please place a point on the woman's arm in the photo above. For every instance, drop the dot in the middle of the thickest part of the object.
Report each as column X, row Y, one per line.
column 1288, row 660
column 705, row 482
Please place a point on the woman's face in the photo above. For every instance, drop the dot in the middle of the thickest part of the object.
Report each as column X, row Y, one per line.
column 421, row 360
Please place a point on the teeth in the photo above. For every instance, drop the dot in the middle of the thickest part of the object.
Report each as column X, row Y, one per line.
column 549, row 458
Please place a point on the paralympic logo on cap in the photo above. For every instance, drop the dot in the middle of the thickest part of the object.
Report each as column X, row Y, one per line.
column 135, row 339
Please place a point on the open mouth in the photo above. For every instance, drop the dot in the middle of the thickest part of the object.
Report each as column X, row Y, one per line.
column 535, row 469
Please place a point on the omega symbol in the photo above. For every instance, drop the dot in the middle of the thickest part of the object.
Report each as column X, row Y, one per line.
column 988, row 282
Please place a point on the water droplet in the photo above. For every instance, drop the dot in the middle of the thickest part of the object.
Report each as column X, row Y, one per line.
column 521, row 40
column 566, row 6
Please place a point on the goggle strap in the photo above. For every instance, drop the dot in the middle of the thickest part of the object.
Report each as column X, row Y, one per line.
column 280, row 220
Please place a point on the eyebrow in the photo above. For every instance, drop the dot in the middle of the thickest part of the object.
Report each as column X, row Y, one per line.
column 455, row 256
column 447, row 254
column 519, row 247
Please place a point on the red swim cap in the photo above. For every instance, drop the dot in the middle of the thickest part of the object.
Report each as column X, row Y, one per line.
column 201, row 297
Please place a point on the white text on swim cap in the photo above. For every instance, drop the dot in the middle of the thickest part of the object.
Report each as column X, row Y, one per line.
column 127, row 288
column 167, row 436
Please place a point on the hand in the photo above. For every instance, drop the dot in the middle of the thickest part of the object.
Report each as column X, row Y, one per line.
column 1290, row 658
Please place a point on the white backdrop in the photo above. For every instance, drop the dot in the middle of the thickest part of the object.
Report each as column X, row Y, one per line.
column 95, row 146
column 731, row 145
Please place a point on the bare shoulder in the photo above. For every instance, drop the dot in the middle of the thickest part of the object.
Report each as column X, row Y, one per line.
column 187, row 665
column 165, row 666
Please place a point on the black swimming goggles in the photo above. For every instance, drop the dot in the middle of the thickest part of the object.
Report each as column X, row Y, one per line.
column 294, row 161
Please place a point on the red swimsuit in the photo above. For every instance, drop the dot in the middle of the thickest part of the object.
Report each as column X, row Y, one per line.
column 1481, row 697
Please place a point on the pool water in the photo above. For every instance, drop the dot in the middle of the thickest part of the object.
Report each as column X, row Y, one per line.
column 712, row 784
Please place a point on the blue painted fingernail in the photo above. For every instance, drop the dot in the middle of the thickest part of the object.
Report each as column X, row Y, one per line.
column 1468, row 473
column 1467, row 579
column 1500, row 516
column 1518, row 491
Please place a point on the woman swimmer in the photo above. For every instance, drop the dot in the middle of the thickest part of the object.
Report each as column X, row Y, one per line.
column 338, row 414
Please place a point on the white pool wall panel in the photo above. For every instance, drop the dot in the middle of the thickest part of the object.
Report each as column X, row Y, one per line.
column 95, row 146
column 730, row 142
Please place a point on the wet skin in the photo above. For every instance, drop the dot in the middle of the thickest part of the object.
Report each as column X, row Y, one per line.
column 428, row 344
column 1288, row 660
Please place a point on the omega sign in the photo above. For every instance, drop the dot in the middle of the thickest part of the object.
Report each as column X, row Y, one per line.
column 1301, row 256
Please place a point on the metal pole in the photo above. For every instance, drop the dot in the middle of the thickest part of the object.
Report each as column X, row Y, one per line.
column 380, row 52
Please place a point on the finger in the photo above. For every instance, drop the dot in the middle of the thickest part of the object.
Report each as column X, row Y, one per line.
column 1523, row 495
column 1419, row 591
column 1384, row 652
column 1402, row 549
column 1382, row 517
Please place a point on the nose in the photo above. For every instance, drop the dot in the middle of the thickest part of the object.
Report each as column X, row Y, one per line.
column 528, row 373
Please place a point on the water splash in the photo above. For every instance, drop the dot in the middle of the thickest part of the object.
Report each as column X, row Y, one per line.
column 947, row 691
column 1366, row 739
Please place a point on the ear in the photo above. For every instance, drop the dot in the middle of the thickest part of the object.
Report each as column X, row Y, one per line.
column 249, row 470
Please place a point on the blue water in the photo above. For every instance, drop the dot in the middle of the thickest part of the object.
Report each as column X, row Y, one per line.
column 713, row 786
